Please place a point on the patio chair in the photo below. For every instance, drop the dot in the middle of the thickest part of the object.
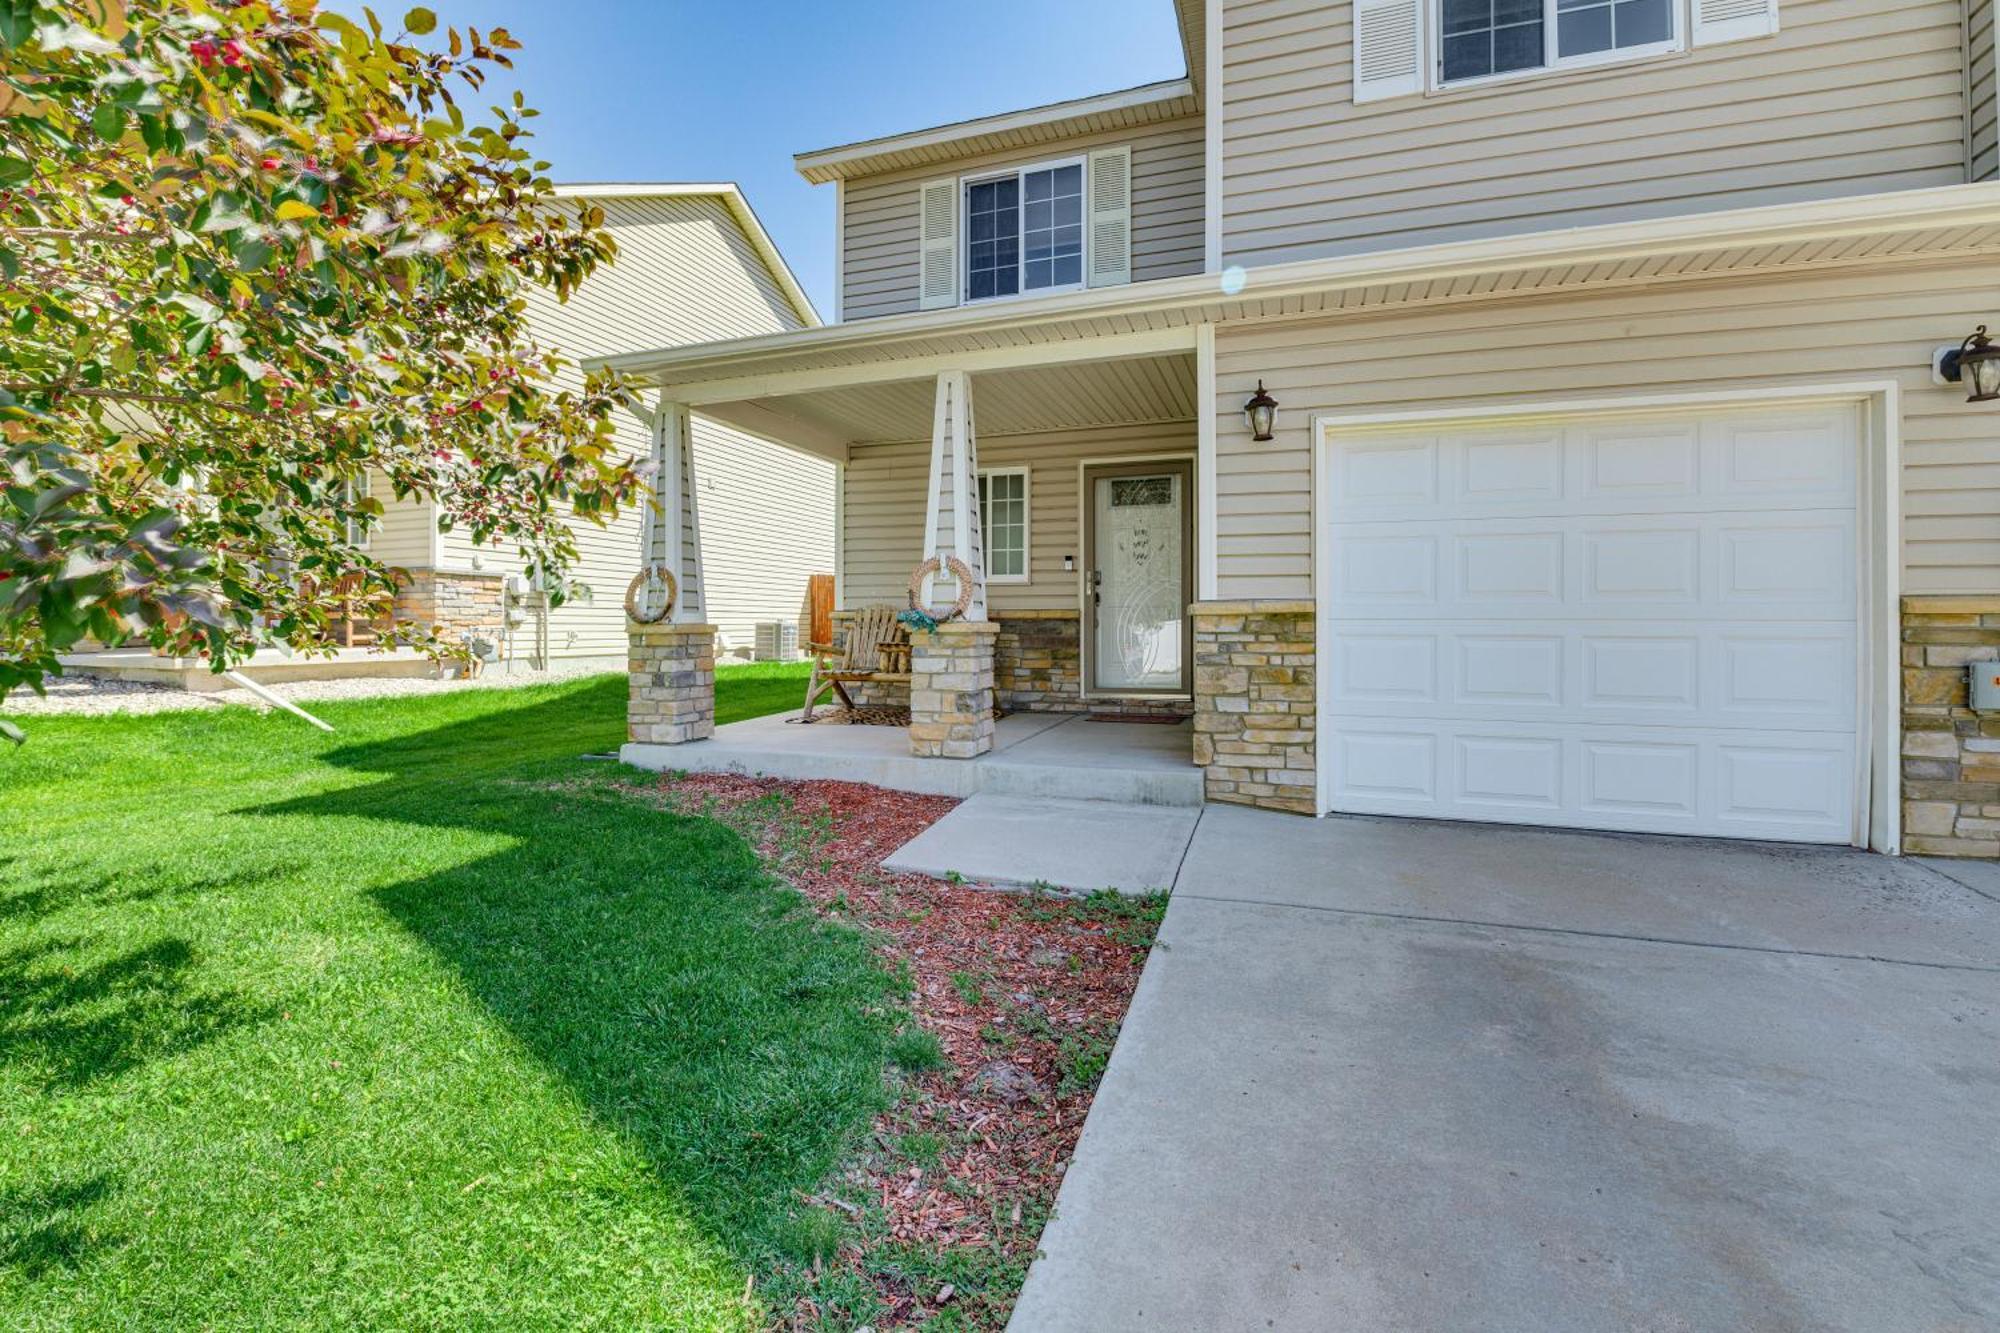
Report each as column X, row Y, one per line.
column 876, row 652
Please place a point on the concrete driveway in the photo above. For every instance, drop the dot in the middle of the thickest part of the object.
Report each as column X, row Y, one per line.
column 1388, row 1075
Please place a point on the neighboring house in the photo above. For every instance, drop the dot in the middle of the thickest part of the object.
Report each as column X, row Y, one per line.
column 694, row 265
column 1608, row 483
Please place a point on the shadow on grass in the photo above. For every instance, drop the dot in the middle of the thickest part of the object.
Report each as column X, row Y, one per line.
column 46, row 1228
column 75, row 1025
column 694, row 1003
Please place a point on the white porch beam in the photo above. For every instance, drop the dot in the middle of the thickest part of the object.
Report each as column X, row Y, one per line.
column 951, row 517
column 1113, row 347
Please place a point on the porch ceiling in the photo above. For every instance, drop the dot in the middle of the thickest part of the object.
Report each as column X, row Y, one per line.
column 1067, row 396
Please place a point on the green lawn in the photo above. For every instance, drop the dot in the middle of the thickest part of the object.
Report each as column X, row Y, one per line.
column 413, row 1025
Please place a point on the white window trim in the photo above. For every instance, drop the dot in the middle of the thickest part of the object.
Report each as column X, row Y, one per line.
column 1027, row 573
column 1434, row 80
column 966, row 182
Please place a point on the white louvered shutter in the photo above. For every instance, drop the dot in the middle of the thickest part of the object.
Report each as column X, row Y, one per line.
column 1109, row 205
column 1388, row 48
column 938, row 244
column 1733, row 20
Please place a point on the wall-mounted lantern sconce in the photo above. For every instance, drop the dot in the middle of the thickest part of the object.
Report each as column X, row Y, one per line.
column 1974, row 363
column 1261, row 411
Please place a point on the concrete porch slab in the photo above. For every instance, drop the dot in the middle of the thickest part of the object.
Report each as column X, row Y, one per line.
column 1056, row 755
column 1082, row 846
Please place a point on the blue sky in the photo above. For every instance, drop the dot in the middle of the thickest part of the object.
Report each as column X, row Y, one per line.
column 653, row 90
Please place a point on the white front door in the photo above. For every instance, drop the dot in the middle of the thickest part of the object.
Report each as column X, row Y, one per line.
column 1136, row 589
column 1642, row 623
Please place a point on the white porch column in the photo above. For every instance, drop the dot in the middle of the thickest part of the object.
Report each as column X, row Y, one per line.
column 671, row 668
column 671, row 521
column 951, row 522
column 951, row 668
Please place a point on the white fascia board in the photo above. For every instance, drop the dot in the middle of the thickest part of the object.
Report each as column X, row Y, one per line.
column 1196, row 297
column 825, row 164
column 739, row 208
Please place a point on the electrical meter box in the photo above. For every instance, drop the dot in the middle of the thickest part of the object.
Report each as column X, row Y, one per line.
column 1985, row 686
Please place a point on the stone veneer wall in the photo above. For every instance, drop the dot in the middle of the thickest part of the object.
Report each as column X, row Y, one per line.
column 1254, row 715
column 1951, row 755
column 672, row 684
column 454, row 602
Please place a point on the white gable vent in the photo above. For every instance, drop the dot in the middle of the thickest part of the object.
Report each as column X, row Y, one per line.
column 1733, row 20
column 1388, row 48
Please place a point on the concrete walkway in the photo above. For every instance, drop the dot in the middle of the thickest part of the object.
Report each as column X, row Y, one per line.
column 1390, row 1075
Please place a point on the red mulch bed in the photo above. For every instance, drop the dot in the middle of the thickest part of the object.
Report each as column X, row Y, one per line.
column 1048, row 969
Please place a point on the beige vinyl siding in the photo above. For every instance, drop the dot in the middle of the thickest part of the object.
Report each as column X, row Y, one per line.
column 879, row 232
column 1693, row 339
column 766, row 524
column 885, row 509
column 685, row 273
column 1851, row 97
column 403, row 538
column 1985, row 86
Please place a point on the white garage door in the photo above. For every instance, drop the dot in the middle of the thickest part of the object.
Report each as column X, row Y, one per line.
column 1644, row 623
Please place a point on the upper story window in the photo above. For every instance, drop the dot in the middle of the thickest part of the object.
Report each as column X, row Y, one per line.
column 1410, row 48
column 1481, row 38
column 1024, row 231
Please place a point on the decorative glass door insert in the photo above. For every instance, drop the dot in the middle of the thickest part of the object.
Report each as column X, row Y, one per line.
column 1138, row 579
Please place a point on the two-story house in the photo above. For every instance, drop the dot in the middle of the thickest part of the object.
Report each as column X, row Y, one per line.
column 1509, row 410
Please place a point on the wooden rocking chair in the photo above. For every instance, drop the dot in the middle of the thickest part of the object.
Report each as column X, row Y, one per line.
column 877, row 651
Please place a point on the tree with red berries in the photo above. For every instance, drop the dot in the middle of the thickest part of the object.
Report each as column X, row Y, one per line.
column 256, row 266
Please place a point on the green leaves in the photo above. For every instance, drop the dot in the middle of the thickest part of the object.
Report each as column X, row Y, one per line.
column 108, row 121
column 259, row 271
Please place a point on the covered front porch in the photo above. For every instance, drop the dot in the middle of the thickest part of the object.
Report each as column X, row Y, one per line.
column 1041, row 505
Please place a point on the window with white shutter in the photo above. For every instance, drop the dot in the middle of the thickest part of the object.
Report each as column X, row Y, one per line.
column 1110, row 184
column 938, row 244
column 1022, row 231
column 1733, row 20
column 1403, row 47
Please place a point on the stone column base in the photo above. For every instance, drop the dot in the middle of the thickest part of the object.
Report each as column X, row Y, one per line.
column 1254, row 717
column 1951, row 754
column 951, row 690
column 672, row 673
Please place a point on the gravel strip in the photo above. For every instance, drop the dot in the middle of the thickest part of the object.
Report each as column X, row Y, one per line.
column 84, row 695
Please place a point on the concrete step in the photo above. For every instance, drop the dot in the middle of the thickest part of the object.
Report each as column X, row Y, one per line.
column 1131, row 786
column 1076, row 845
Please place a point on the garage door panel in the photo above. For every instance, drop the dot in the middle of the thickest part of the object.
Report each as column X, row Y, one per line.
column 1759, row 565
column 1765, row 677
column 1642, row 623
column 1622, row 462
column 1788, row 785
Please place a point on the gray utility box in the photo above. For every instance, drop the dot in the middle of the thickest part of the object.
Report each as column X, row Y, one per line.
column 1985, row 690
